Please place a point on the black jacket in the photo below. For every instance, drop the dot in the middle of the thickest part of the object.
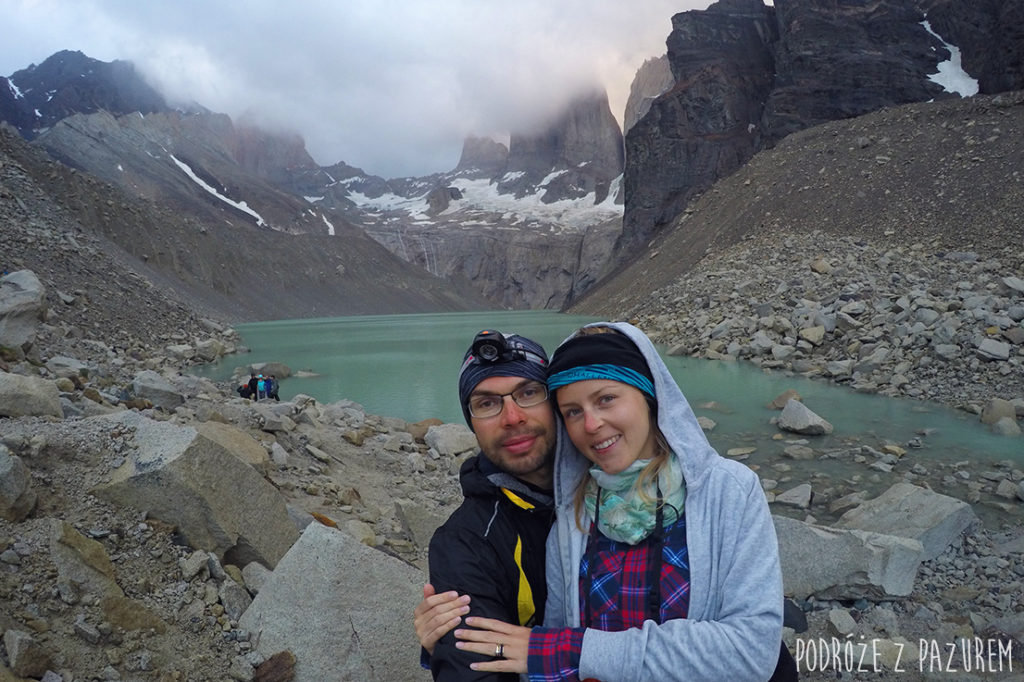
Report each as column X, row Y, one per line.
column 475, row 553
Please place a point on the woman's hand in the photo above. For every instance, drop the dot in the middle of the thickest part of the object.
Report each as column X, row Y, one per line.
column 488, row 636
column 437, row 614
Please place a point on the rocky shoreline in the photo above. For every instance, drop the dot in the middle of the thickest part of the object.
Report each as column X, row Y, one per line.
column 900, row 320
column 98, row 585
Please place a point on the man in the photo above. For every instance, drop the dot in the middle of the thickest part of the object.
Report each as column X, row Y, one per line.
column 492, row 547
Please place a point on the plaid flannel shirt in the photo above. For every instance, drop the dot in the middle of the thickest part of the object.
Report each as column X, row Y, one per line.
column 617, row 599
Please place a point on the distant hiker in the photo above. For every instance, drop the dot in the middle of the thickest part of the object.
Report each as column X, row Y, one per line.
column 272, row 388
column 253, row 385
column 261, row 387
column 244, row 390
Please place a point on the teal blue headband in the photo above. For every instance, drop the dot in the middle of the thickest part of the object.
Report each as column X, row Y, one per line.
column 613, row 372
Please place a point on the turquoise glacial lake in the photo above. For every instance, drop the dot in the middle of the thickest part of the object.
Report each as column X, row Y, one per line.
column 407, row 366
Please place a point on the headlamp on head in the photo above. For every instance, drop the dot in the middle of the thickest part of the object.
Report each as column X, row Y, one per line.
column 489, row 345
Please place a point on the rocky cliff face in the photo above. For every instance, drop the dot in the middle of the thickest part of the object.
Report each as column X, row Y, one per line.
column 652, row 79
column 746, row 75
column 199, row 163
column 508, row 264
column 275, row 157
column 705, row 126
column 840, row 62
column 482, row 157
column 580, row 153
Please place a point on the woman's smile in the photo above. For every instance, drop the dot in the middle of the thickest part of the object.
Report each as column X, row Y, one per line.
column 605, row 444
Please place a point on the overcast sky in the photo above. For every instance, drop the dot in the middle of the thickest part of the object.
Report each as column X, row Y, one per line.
column 391, row 86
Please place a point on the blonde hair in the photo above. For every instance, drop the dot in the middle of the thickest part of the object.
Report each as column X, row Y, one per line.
column 646, row 482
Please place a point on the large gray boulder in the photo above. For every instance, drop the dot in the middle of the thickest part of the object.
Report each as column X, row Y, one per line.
column 25, row 396
column 909, row 511
column 61, row 366
column 799, row 496
column 278, row 370
column 28, row 657
column 273, row 416
column 238, row 443
column 798, row 418
column 209, row 349
column 157, row 390
column 450, row 439
column 342, row 608
column 218, row 501
column 22, row 308
column 991, row 349
column 996, row 409
column 1006, row 426
column 832, row 563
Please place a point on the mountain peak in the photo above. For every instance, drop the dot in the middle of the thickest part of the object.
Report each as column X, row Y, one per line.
column 579, row 153
column 585, row 132
column 482, row 156
column 70, row 82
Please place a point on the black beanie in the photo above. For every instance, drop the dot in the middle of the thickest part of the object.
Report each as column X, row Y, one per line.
column 610, row 355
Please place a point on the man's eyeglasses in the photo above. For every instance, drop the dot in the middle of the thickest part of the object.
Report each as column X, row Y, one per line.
column 484, row 405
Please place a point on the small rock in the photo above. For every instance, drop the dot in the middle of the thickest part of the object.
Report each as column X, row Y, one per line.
column 800, row 496
column 841, row 623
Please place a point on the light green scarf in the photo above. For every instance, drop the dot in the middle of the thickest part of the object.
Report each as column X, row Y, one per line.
column 625, row 515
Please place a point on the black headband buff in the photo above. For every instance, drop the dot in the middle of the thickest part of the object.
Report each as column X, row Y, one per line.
column 600, row 349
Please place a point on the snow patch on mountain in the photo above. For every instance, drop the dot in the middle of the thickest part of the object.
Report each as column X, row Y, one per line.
column 18, row 94
column 240, row 205
column 481, row 195
column 951, row 75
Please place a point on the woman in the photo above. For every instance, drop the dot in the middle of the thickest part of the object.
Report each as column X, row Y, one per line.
column 644, row 494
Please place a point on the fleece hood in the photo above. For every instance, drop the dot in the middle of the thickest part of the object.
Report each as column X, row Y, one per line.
column 676, row 419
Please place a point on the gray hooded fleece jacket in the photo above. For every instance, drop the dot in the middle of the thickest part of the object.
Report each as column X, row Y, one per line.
column 735, row 615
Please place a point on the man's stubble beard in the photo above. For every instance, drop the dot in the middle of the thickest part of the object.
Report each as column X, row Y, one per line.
column 541, row 456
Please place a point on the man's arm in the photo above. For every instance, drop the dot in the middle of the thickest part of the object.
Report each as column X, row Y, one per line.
column 464, row 562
